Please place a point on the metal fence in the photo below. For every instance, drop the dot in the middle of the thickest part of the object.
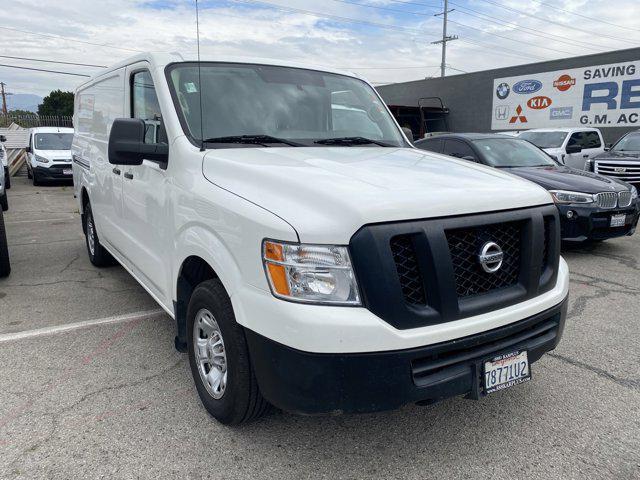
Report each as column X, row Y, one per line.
column 30, row 121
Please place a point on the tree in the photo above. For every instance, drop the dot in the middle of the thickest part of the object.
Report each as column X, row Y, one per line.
column 20, row 113
column 57, row 103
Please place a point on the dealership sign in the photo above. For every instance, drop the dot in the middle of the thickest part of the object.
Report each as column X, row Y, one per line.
column 598, row 96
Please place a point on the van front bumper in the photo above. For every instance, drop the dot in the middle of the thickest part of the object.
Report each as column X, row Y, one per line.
column 325, row 383
column 54, row 172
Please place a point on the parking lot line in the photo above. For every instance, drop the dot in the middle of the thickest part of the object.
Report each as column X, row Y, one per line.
column 39, row 332
column 15, row 222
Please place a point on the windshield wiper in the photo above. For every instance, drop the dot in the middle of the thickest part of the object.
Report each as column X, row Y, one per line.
column 252, row 139
column 351, row 141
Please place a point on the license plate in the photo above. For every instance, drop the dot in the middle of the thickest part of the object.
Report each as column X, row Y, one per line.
column 67, row 171
column 505, row 371
column 618, row 220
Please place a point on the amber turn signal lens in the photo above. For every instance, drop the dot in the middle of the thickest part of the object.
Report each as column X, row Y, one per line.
column 279, row 279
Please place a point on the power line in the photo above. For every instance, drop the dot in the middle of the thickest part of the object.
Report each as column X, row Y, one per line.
column 599, row 20
column 60, row 37
column 53, row 61
column 42, row 70
column 563, row 25
column 332, row 17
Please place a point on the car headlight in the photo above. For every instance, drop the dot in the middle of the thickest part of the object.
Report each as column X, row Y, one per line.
column 561, row 196
column 310, row 273
column 41, row 159
column 634, row 193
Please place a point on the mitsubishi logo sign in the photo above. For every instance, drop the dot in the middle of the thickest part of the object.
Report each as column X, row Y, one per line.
column 518, row 117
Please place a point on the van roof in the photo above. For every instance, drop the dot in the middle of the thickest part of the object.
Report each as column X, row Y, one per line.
column 161, row 60
column 51, row 130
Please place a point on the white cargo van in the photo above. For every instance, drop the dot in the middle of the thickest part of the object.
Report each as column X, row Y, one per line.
column 311, row 262
column 49, row 154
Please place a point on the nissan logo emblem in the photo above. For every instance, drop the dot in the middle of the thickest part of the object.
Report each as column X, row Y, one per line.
column 491, row 257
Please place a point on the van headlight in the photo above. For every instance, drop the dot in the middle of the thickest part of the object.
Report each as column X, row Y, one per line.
column 319, row 274
column 561, row 196
column 41, row 159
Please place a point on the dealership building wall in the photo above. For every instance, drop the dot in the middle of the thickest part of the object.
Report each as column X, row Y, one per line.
column 469, row 97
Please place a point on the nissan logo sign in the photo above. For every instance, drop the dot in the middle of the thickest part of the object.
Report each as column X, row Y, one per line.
column 491, row 257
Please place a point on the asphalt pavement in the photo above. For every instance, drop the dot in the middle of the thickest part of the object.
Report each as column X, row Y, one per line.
column 111, row 398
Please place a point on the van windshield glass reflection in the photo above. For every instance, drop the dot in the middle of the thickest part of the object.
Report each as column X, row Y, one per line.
column 268, row 103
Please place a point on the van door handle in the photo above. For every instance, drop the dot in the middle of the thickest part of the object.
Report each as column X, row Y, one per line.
column 116, row 170
column 128, row 175
column 585, row 156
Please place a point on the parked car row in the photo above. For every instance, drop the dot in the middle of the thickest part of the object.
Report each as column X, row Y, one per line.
column 591, row 206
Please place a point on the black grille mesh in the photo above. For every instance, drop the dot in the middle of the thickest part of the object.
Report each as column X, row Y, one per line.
column 465, row 245
column 547, row 240
column 404, row 255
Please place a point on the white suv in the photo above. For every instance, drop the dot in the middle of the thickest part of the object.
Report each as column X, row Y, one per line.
column 570, row 146
column 318, row 265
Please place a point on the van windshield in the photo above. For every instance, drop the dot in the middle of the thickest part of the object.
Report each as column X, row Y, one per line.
column 545, row 139
column 53, row 141
column 271, row 103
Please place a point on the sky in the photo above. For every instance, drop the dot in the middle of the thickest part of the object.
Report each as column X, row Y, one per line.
column 384, row 40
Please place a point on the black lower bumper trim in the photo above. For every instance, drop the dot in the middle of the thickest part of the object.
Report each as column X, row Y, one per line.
column 311, row 383
column 592, row 223
column 52, row 173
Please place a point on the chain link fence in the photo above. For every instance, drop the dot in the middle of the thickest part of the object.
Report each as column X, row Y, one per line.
column 30, row 121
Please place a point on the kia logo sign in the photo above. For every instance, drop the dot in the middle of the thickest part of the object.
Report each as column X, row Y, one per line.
column 564, row 82
column 525, row 87
column 539, row 103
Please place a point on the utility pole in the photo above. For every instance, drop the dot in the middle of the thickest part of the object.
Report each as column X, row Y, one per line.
column 4, row 98
column 445, row 38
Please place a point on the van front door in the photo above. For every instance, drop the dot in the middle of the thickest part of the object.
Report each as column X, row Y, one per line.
column 145, row 207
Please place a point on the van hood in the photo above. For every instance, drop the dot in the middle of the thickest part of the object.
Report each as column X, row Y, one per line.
column 328, row 193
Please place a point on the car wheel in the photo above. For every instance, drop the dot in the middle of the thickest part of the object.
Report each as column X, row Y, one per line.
column 29, row 175
column 5, row 266
column 98, row 255
column 36, row 181
column 219, row 357
column 4, row 202
column 7, row 178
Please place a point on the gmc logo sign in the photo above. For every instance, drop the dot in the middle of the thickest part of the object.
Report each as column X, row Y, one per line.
column 539, row 103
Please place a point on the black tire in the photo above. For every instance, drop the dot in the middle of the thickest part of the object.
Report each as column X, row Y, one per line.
column 36, row 181
column 98, row 256
column 241, row 400
column 29, row 175
column 4, row 202
column 5, row 266
column 7, row 178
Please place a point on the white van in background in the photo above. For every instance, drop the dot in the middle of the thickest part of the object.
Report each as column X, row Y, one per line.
column 571, row 146
column 49, row 154
column 4, row 161
column 312, row 259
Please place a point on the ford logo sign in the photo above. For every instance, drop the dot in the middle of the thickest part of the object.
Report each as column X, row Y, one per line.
column 525, row 87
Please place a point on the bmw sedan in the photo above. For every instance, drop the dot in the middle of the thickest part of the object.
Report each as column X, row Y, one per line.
column 591, row 206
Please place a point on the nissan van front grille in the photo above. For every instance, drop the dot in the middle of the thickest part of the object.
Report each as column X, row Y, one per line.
column 425, row 272
column 465, row 245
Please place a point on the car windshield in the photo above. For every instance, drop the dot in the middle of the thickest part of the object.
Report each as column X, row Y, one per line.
column 53, row 141
column 508, row 152
column 628, row 143
column 266, row 103
column 545, row 139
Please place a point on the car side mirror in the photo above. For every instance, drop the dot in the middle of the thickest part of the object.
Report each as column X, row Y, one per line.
column 27, row 149
column 608, row 146
column 573, row 149
column 468, row 158
column 407, row 131
column 3, row 138
column 127, row 147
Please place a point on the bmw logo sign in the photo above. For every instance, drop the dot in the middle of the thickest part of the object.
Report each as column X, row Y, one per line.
column 503, row 91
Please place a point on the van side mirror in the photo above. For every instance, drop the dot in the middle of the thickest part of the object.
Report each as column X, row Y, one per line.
column 3, row 138
column 573, row 149
column 127, row 147
column 27, row 149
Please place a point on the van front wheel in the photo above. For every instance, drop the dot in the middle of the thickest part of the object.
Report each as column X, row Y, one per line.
column 219, row 357
column 5, row 266
column 98, row 255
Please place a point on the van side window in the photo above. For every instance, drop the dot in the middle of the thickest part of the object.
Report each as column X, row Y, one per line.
column 144, row 105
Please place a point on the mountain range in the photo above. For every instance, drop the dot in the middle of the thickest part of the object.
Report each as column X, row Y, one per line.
column 23, row 101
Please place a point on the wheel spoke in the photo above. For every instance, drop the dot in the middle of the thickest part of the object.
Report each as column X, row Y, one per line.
column 201, row 346
column 210, row 353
